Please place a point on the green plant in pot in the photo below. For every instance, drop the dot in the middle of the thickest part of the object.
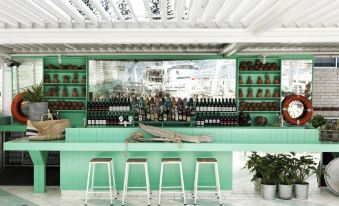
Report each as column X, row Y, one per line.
column 318, row 121
column 253, row 164
column 305, row 167
column 286, row 169
column 37, row 106
column 268, row 169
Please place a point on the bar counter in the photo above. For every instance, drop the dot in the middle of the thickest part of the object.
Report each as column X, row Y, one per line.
column 83, row 144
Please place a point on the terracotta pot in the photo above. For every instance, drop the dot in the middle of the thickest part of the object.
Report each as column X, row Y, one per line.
column 250, row 95
column 267, row 80
column 64, row 93
column 249, row 80
column 75, row 81
column 260, row 81
column 259, row 94
column 268, row 93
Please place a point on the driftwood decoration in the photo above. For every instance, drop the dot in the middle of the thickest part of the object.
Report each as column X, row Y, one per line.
column 163, row 135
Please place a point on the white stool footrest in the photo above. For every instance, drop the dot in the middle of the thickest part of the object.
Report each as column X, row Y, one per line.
column 206, row 186
column 106, row 192
column 136, row 187
column 103, row 187
column 170, row 187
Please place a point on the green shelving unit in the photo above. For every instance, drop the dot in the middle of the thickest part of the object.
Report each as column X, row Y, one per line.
column 76, row 115
column 254, row 105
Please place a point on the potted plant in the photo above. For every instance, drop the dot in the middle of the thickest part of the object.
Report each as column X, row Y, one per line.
column 305, row 167
column 37, row 106
column 268, row 169
column 253, row 164
column 286, row 169
column 318, row 121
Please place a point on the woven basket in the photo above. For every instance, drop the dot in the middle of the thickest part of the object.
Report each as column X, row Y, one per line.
column 329, row 135
column 49, row 130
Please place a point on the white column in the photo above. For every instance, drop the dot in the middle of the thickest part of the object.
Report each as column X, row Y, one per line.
column 6, row 88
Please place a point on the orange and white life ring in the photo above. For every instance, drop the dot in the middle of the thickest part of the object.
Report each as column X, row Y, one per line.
column 305, row 117
column 16, row 109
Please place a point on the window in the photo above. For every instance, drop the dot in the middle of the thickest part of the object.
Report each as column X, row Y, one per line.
column 187, row 78
column 27, row 74
column 325, row 62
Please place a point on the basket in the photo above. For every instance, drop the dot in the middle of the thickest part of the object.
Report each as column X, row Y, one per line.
column 329, row 135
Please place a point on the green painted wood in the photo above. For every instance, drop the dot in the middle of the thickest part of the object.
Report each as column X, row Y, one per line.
column 39, row 159
column 13, row 127
column 74, row 168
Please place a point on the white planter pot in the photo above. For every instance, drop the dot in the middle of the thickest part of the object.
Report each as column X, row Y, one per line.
column 268, row 192
column 285, row 192
column 301, row 191
column 37, row 109
column 257, row 185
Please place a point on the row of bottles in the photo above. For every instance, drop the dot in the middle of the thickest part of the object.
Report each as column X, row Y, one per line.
column 112, row 105
column 106, row 118
column 164, row 109
column 220, row 105
column 216, row 119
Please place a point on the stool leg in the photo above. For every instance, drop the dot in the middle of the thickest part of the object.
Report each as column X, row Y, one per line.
column 125, row 184
column 88, row 177
column 114, row 185
column 93, row 175
column 110, row 182
column 182, row 183
column 196, row 177
column 217, row 181
column 160, row 182
column 147, row 184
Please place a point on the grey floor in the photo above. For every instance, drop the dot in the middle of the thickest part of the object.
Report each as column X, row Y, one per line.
column 243, row 194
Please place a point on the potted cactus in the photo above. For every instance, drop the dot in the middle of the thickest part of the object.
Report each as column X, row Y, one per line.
column 250, row 93
column 268, row 93
column 249, row 80
column 267, row 79
column 260, row 81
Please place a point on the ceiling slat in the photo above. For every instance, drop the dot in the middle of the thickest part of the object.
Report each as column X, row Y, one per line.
column 116, row 9
column 9, row 20
column 84, row 8
column 225, row 11
column 15, row 15
column 70, row 10
column 132, row 11
column 23, row 11
column 97, row 4
column 211, row 10
column 38, row 10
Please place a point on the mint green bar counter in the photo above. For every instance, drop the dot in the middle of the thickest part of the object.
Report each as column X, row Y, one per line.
column 83, row 144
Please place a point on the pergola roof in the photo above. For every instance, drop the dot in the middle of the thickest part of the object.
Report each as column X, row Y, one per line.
column 226, row 26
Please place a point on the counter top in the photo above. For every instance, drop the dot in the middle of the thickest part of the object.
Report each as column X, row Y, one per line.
column 62, row 145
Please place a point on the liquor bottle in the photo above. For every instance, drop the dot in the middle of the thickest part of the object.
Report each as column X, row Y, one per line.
column 234, row 106
column 197, row 105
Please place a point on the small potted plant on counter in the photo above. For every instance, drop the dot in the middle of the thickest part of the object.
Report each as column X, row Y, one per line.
column 286, row 163
column 305, row 167
column 37, row 106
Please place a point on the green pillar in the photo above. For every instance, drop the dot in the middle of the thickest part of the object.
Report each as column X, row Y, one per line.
column 39, row 159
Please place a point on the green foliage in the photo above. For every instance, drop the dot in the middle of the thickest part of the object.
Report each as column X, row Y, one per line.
column 318, row 121
column 284, row 169
column 305, row 167
column 34, row 93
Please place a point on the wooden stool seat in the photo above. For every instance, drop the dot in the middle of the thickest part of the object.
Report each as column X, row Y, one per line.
column 101, row 160
column 137, row 160
column 206, row 160
column 171, row 160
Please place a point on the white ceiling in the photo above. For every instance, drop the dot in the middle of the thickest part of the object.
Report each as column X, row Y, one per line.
column 205, row 26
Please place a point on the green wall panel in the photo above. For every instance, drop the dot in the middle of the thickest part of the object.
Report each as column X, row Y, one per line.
column 74, row 168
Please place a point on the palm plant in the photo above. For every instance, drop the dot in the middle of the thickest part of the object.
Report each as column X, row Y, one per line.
column 305, row 167
column 34, row 93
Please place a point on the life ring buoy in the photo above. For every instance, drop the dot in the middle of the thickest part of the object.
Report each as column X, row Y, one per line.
column 305, row 117
column 16, row 109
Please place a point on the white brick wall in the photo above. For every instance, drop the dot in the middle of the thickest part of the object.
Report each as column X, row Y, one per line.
column 326, row 89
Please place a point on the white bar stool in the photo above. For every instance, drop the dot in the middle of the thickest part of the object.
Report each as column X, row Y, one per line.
column 214, row 162
column 137, row 161
column 169, row 161
column 91, row 175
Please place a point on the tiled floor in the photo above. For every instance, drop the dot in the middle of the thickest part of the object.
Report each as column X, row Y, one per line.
column 242, row 195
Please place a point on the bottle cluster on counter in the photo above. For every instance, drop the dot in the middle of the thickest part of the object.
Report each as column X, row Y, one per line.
column 114, row 111
column 220, row 105
column 164, row 109
column 216, row 119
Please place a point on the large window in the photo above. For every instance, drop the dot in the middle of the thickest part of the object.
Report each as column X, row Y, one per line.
column 27, row 74
column 189, row 78
column 324, row 61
